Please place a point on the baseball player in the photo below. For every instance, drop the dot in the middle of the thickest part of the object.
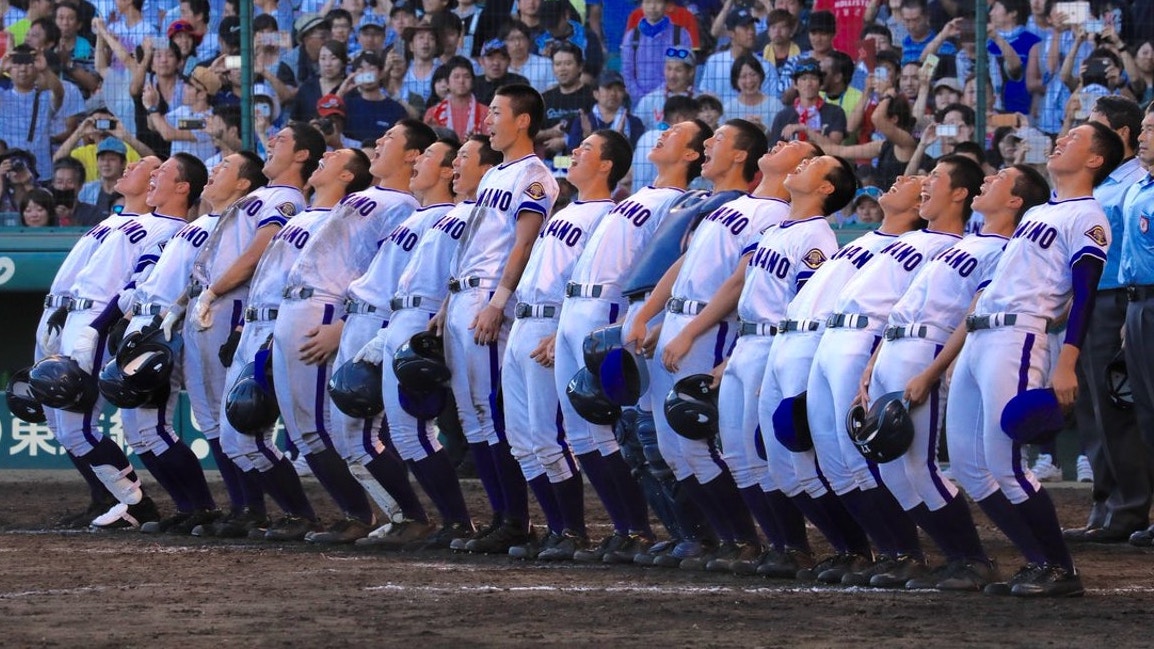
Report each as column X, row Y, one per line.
column 786, row 255
column 513, row 200
column 923, row 335
column 533, row 422
column 224, row 267
column 127, row 253
column 1054, row 260
column 698, row 329
column 593, row 298
column 422, row 287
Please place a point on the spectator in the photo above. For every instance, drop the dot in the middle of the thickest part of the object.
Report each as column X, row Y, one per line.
column 370, row 113
column 223, row 126
column 332, row 61
column 1013, row 56
column 680, row 65
column 1003, row 147
column 35, row 94
column 129, row 26
column 947, row 91
column 198, row 13
column 910, row 79
column 36, row 9
column 44, row 38
column 159, row 69
column 565, row 101
column 1060, row 48
column 838, row 69
column 283, row 13
column 876, row 85
column 330, row 121
column 537, row 69
column 422, row 45
column 341, row 27
column 371, row 38
column 37, row 209
column 460, row 110
column 781, row 53
column 677, row 108
column 75, row 51
column 886, row 13
column 710, row 110
column 401, row 17
column 396, row 68
column 111, row 159
column 99, row 126
column 183, row 127
column 268, row 67
column 312, row 32
column 17, row 177
column 528, row 12
column 959, row 118
column 809, row 113
column 645, row 47
column 470, row 14
column 915, row 16
column 448, row 28
column 800, row 13
column 67, row 179
column 715, row 76
column 609, row 112
column 495, row 64
column 10, row 14
column 182, row 35
column 896, row 147
column 822, row 28
column 680, row 15
column 562, row 26
column 1142, row 81
column 751, row 104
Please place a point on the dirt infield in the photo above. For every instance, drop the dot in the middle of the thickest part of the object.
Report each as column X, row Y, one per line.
column 130, row 590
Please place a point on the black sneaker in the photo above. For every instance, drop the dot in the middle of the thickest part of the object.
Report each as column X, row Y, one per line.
column 291, row 528
column 743, row 553
column 611, row 543
column 900, row 572
column 634, row 544
column 932, row 579
column 163, row 525
column 407, row 533
column 236, row 525
column 348, row 530
column 566, row 546
column 443, row 538
column 458, row 544
column 1050, row 581
column 785, row 565
column 709, row 552
column 499, row 540
column 660, row 548
column 127, row 517
column 862, row 576
column 969, row 576
column 1024, row 574
column 529, row 549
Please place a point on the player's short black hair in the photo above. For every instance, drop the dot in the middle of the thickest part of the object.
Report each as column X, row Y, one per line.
column 488, row 157
column 1031, row 187
column 418, row 135
column 965, row 174
column 1107, row 144
column 193, row 172
column 525, row 100
column 704, row 132
column 615, row 148
column 751, row 139
column 308, row 138
column 251, row 169
column 741, row 62
column 680, row 108
column 358, row 166
column 1121, row 111
column 971, row 149
column 845, row 186
column 454, row 145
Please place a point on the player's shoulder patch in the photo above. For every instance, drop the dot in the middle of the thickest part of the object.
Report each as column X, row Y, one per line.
column 814, row 258
column 535, row 190
column 287, row 208
column 1097, row 234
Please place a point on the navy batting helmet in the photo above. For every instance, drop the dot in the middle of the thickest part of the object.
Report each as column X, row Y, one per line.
column 119, row 392
column 1033, row 416
column 424, row 405
column 58, row 382
column 355, row 389
column 600, row 342
column 21, row 403
column 147, row 360
column 691, row 407
column 584, row 392
column 1118, row 382
column 250, row 408
column 884, row 433
column 791, row 424
column 420, row 362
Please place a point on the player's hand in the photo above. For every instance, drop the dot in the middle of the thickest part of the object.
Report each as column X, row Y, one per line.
column 84, row 348
column 918, row 389
column 437, row 323
column 321, row 344
column 635, row 337
column 50, row 338
column 169, row 322
column 373, row 351
column 649, row 345
column 863, row 390
column 544, row 353
column 1065, row 384
column 116, row 335
column 487, row 325
column 202, row 311
column 228, row 349
column 717, row 373
column 675, row 350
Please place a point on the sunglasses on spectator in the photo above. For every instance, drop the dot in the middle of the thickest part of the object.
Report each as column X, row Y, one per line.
column 677, row 53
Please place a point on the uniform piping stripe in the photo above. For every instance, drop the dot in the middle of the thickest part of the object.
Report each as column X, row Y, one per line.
column 1023, row 378
column 321, row 394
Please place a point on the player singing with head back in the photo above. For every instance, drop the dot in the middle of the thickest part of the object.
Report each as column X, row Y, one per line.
column 1053, row 261
column 698, row 329
column 351, row 259
column 923, row 335
column 421, row 288
column 218, row 289
column 785, row 257
column 593, row 298
column 533, row 422
column 513, row 200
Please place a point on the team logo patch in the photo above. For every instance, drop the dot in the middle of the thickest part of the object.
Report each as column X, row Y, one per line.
column 1143, row 223
column 536, row 191
column 1097, row 234
column 814, row 258
column 287, row 208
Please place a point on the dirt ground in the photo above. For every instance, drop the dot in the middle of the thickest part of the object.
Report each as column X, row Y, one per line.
column 65, row 589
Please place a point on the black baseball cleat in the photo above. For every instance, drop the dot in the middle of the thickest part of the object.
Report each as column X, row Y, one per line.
column 442, row 538
column 596, row 554
column 499, row 540
column 862, row 576
column 843, row 563
column 458, row 544
column 785, row 565
column 746, row 554
column 291, row 528
column 1026, row 573
column 634, row 544
column 900, row 572
column 1050, row 581
column 566, row 546
column 344, row 531
column 237, row 524
column 82, row 520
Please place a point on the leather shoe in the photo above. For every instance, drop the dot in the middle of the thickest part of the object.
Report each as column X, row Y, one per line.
column 1106, row 535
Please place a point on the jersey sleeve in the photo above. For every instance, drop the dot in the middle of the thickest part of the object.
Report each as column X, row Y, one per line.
column 537, row 193
column 1088, row 234
column 275, row 209
column 988, row 266
column 811, row 253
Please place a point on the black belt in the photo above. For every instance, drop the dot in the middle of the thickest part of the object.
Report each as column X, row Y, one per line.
column 1139, row 293
column 146, row 309
column 56, row 301
column 398, row 303
column 458, row 285
column 357, row 306
column 252, row 314
column 573, row 289
column 682, row 306
column 80, row 304
column 757, row 329
column 524, row 310
column 788, row 326
column 297, row 292
column 848, row 321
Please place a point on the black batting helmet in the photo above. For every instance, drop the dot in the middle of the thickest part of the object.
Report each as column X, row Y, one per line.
column 424, row 405
column 598, row 343
column 791, row 424
column 691, row 407
column 584, row 392
column 21, row 403
column 624, row 376
column 117, row 390
column 58, row 382
column 250, row 408
column 1118, row 382
column 355, row 389
column 147, row 360
column 884, row 433
column 420, row 362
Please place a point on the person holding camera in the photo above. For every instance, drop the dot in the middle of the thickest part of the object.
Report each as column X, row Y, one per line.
column 369, row 112
column 17, row 178
column 183, row 126
column 69, row 210
column 28, row 105
column 84, row 144
column 331, row 119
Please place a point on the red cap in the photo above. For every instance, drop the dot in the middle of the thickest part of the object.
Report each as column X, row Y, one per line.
column 330, row 105
column 182, row 26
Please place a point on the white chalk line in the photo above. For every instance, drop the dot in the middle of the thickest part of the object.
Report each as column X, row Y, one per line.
column 51, row 592
column 695, row 590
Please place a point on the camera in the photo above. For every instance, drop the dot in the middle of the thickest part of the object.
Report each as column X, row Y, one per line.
column 18, row 165
column 23, row 58
column 190, row 124
column 365, row 77
column 232, row 62
column 947, row 130
column 104, row 124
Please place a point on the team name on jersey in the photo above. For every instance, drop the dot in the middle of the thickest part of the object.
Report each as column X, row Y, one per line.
column 495, row 198
column 293, row 234
column 450, row 225
column 905, row 254
column 193, row 234
column 635, row 213
column 252, row 206
column 771, row 261
column 134, row 231
column 360, row 204
column 1037, row 232
column 403, row 237
column 563, row 231
column 733, row 220
column 100, row 232
column 959, row 260
column 856, row 255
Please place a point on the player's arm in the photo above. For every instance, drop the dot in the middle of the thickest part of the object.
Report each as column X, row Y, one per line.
column 242, row 269
column 723, row 302
column 638, row 333
column 487, row 322
column 1087, row 271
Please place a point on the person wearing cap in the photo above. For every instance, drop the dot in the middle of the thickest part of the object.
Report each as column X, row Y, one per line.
column 423, row 47
column 646, row 48
column 332, row 60
column 680, row 66
column 864, row 209
column 609, row 112
column 821, row 29
column 330, row 121
column 809, row 111
column 371, row 38
column 369, row 112
column 741, row 26
column 183, row 126
column 518, row 39
column 495, row 63
column 111, row 159
column 312, row 32
column 947, row 91
column 459, row 110
column 182, row 34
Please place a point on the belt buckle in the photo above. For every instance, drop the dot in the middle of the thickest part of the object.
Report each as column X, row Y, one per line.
column 675, row 305
column 891, row 333
column 522, row 310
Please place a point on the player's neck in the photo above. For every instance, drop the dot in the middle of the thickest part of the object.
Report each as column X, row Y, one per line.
column 1076, row 185
column 899, row 222
column 291, row 177
column 328, row 196
column 220, row 206
column 398, row 181
column 952, row 223
column 136, row 205
column 672, row 176
column 439, row 193
column 598, row 190
column 520, row 148
column 731, row 181
column 174, row 207
column 772, row 187
column 805, row 206
column 1000, row 224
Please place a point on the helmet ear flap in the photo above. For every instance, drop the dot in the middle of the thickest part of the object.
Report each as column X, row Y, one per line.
column 584, row 392
column 691, row 407
column 355, row 389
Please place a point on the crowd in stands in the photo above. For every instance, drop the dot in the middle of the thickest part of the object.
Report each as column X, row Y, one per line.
column 90, row 85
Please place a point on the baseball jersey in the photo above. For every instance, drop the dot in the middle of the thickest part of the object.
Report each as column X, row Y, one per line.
column 506, row 190
column 82, row 251
column 426, row 275
column 941, row 294
column 882, row 282
column 624, row 232
column 556, row 250
column 268, row 280
column 238, row 223
column 814, row 301
column 345, row 244
column 785, row 258
column 1033, row 276
column 719, row 242
column 1137, row 264
column 378, row 284
column 126, row 253
column 168, row 279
